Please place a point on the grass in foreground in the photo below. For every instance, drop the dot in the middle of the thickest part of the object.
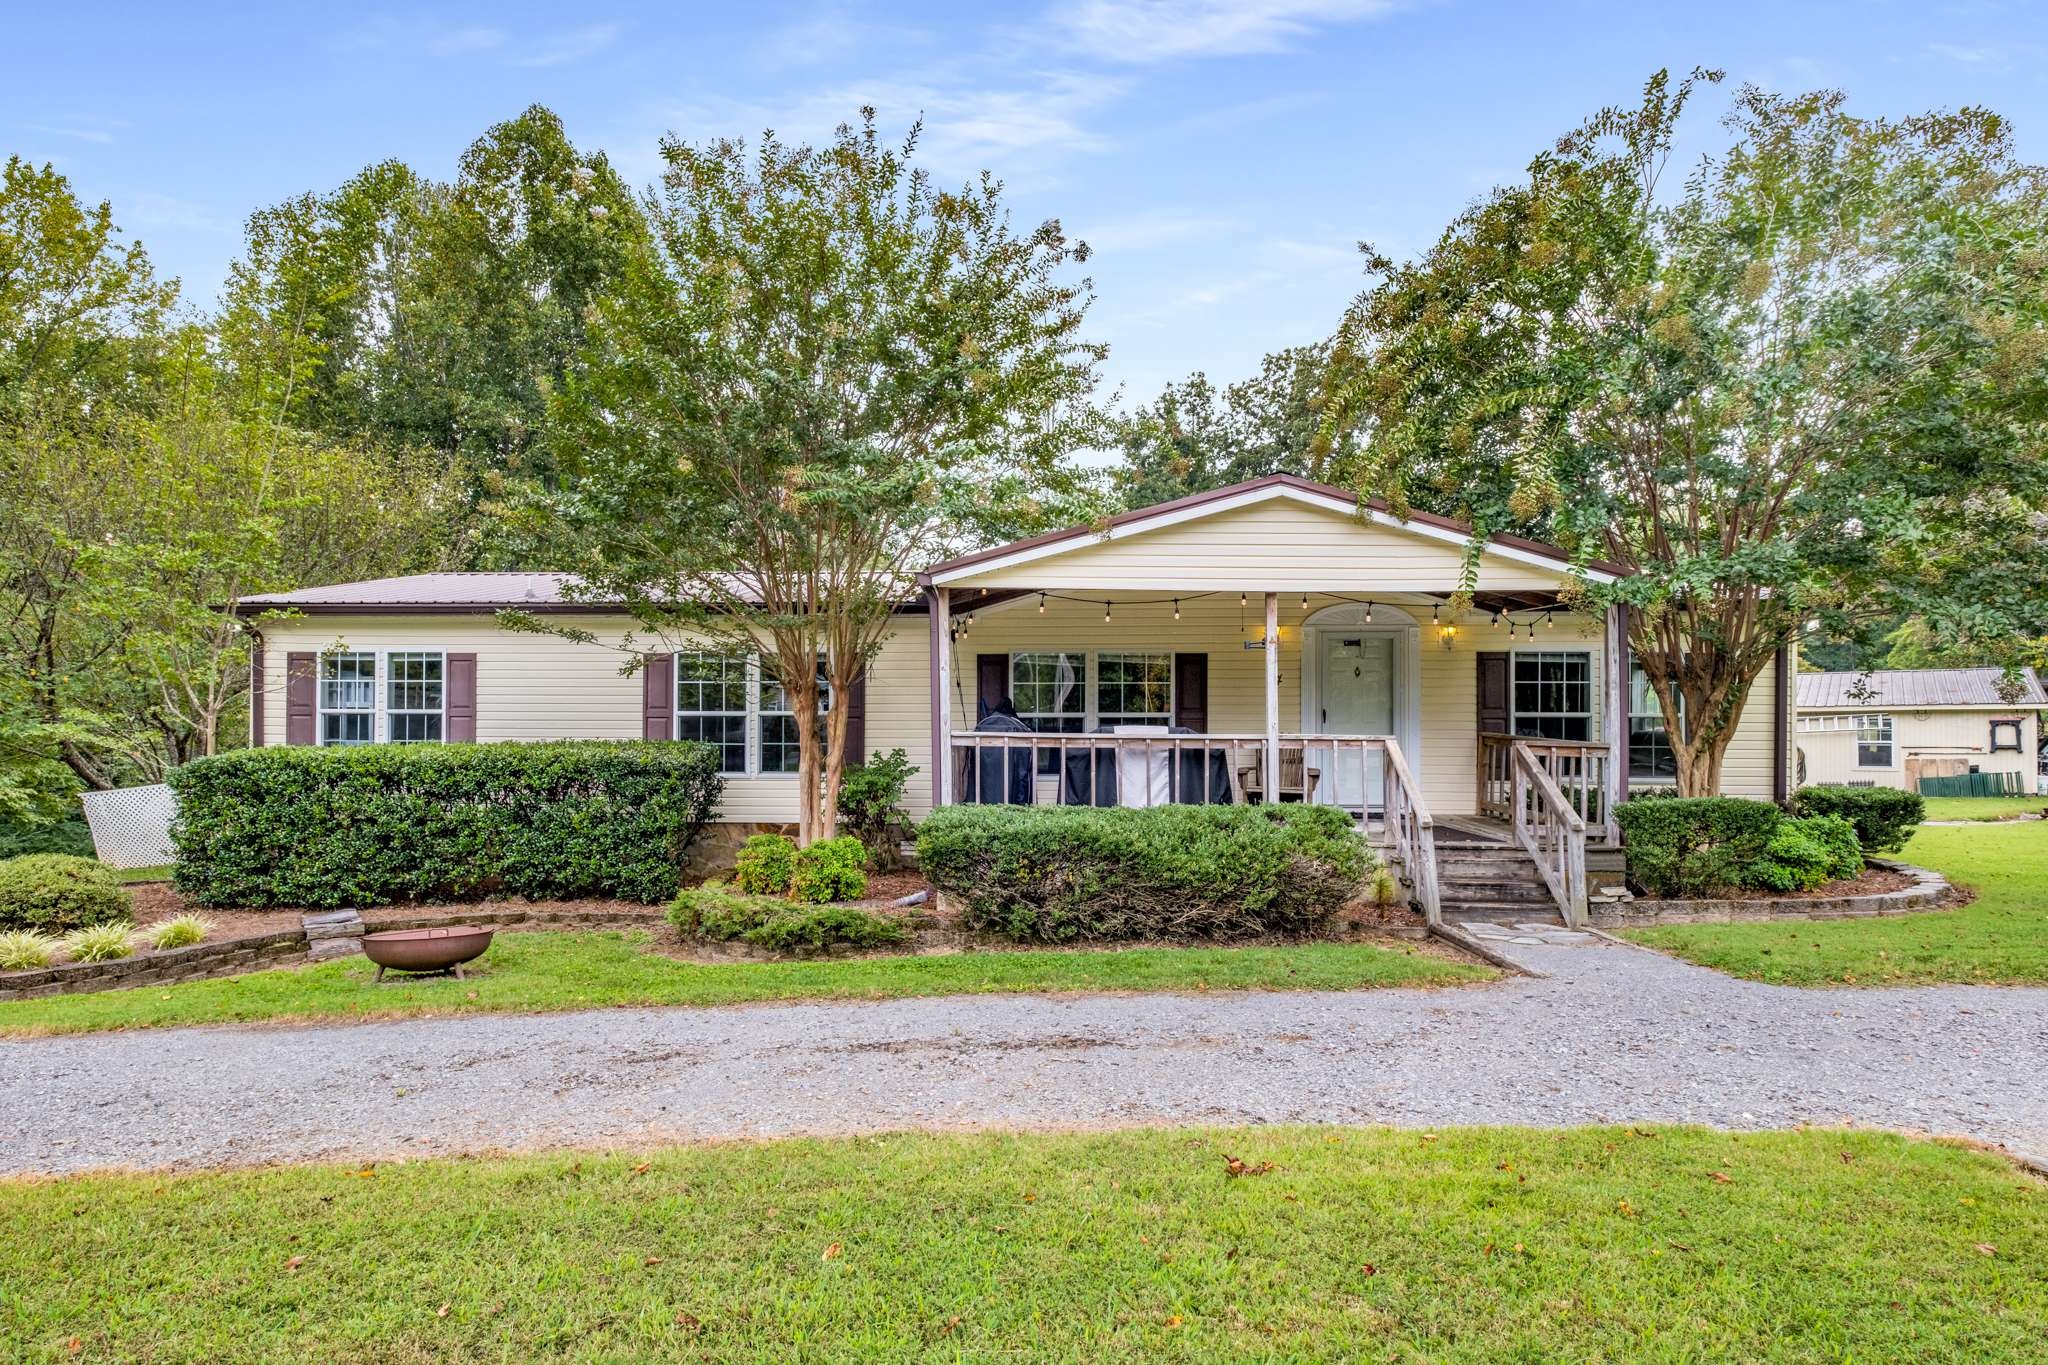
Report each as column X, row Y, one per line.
column 563, row 971
column 130, row 876
column 1468, row 1245
column 1983, row 807
column 2002, row 937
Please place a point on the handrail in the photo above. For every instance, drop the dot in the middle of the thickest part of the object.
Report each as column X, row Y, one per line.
column 1413, row 832
column 1553, row 832
column 1580, row 767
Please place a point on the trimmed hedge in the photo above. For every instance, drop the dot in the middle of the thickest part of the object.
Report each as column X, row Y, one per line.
column 53, row 893
column 1058, row 873
column 830, row 870
column 1693, row 846
column 716, row 913
column 377, row 824
column 1884, row 817
column 765, row 864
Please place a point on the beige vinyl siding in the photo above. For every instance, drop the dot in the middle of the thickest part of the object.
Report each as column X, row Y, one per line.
column 1960, row 732
column 1279, row 544
column 536, row 687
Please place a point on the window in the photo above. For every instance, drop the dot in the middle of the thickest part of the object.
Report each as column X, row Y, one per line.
column 780, row 750
column 348, row 698
column 2005, row 736
column 1553, row 693
column 1874, row 741
column 1051, row 696
column 1649, row 741
column 711, row 704
column 414, row 695
column 1134, row 689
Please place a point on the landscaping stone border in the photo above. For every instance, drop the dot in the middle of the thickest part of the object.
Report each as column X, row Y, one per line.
column 1926, row 893
column 195, row 962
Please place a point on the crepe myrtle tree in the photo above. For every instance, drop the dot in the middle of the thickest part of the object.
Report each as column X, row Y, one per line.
column 1802, row 392
column 823, row 374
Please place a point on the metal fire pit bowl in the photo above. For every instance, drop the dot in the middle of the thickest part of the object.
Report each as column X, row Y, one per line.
column 426, row 950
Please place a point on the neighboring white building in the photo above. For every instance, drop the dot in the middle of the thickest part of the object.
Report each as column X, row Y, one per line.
column 1892, row 727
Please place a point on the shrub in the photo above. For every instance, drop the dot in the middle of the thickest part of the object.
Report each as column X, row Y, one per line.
column 98, row 942
column 1884, row 817
column 55, row 892
column 24, row 950
column 1056, row 873
column 765, row 864
column 830, row 870
column 1806, row 852
column 870, row 805
column 181, row 932
column 716, row 913
column 1694, row 845
column 69, row 835
column 380, row 823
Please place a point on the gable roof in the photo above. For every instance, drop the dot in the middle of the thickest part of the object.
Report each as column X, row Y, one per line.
column 1272, row 486
column 1916, row 689
column 424, row 592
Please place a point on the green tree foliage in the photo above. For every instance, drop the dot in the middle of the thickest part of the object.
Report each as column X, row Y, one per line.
column 1193, row 438
column 1808, row 386
column 824, row 373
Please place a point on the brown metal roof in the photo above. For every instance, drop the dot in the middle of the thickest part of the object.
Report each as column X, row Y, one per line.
column 1916, row 689
column 1295, row 481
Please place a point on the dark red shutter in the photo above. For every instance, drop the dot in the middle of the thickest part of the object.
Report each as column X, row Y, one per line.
column 256, row 695
column 991, row 681
column 1493, row 693
column 301, row 678
column 857, row 721
column 461, row 699
column 1191, row 692
column 658, row 697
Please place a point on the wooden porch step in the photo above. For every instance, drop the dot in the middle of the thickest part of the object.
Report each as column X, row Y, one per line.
column 1484, row 912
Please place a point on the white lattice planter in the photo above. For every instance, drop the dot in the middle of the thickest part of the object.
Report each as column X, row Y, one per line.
column 131, row 827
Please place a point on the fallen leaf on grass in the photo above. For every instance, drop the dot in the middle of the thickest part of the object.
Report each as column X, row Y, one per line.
column 831, row 1253
column 1369, row 1269
column 74, row 1346
column 1233, row 1166
column 689, row 1322
column 1720, row 1177
column 442, row 1311
column 1173, row 1321
column 1986, row 1249
column 652, row 1260
column 641, row 1169
column 1625, row 1209
column 294, row 1263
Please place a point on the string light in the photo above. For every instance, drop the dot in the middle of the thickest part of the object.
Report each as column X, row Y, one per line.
column 1041, row 604
column 1105, row 613
column 1496, row 620
column 1241, row 599
column 1176, row 609
column 1549, row 623
column 1304, row 601
column 1432, row 614
column 1368, row 613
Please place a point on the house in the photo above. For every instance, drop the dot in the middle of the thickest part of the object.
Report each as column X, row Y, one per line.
column 1275, row 636
column 1895, row 727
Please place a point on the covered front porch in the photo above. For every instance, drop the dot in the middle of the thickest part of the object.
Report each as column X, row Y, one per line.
column 1280, row 643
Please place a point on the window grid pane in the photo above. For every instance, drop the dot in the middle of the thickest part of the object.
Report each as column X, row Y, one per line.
column 413, row 698
column 1134, row 689
column 711, row 704
column 1553, row 694
column 348, row 698
column 781, row 749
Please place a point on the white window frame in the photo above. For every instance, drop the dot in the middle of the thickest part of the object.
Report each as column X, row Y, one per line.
column 1881, row 723
column 321, row 710
column 1592, row 711
column 1082, row 672
column 1097, row 716
column 387, row 683
column 759, row 700
column 1628, row 726
column 748, row 673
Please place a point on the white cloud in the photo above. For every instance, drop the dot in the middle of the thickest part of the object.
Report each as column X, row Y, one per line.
column 1160, row 30
column 82, row 134
column 148, row 209
column 1971, row 56
column 571, row 47
column 1146, row 231
column 460, row 40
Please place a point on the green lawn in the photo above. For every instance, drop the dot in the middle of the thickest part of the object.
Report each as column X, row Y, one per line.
column 129, row 876
column 1464, row 1245
column 560, row 971
column 2001, row 937
column 1983, row 807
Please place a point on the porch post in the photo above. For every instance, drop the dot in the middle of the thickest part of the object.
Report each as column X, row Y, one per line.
column 1273, row 698
column 942, row 695
column 1617, row 715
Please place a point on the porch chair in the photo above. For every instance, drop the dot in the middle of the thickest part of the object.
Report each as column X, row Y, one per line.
column 1297, row 779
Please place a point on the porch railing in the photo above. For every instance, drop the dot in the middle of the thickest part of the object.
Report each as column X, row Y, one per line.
column 1213, row 769
column 1550, row 827
column 1578, row 767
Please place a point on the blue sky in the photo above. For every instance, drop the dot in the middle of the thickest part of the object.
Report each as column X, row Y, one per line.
column 1223, row 156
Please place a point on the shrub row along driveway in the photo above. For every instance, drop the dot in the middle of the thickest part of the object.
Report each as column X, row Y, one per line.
column 1615, row 1034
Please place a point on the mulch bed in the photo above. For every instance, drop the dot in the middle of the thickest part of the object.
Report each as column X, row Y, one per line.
column 1874, row 881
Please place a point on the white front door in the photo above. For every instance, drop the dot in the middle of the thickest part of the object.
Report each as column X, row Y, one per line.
column 1355, row 689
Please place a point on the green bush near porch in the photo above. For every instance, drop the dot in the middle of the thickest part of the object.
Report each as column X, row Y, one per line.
column 1059, row 873
column 1699, row 846
column 1885, row 817
column 384, row 823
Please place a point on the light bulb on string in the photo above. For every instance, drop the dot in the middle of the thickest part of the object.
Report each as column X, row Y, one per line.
column 1105, row 613
column 1368, row 613
column 1041, row 604
column 1176, row 609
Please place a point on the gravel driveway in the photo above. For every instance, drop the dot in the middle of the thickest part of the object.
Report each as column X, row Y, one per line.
column 1615, row 1034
